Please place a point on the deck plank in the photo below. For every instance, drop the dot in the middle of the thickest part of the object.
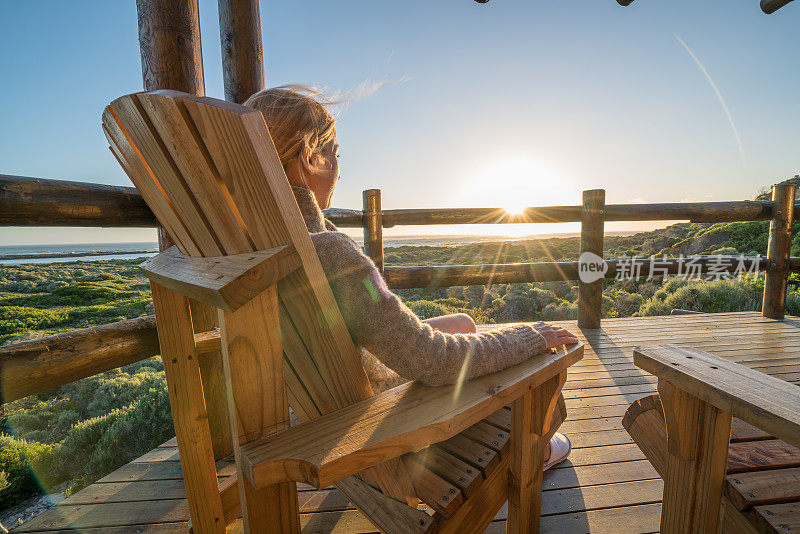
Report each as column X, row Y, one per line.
column 606, row 485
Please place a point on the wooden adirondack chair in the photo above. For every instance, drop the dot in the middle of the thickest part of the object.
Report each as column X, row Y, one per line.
column 209, row 171
column 708, row 413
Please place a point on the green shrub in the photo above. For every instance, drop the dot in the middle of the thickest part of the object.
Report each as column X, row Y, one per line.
column 618, row 302
column 84, row 294
column 741, row 294
column 426, row 309
column 26, row 467
column 793, row 303
column 115, row 438
column 725, row 251
column 117, row 390
column 560, row 311
column 17, row 318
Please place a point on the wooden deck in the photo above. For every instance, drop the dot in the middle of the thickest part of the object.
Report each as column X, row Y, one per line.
column 606, row 485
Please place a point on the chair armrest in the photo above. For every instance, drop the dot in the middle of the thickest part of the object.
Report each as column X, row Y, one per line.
column 768, row 403
column 225, row 282
column 404, row 419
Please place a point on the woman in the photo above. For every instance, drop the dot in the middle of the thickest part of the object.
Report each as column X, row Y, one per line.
column 397, row 345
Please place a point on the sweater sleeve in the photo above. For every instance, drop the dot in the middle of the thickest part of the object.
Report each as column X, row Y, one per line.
column 379, row 321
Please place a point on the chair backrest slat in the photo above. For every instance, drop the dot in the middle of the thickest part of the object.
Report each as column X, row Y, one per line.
column 211, row 175
column 191, row 159
column 145, row 152
column 139, row 175
column 319, row 398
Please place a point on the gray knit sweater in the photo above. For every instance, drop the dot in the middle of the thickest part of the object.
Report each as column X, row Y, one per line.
column 404, row 347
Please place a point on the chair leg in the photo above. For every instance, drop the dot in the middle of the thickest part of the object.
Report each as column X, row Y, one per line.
column 531, row 426
column 204, row 318
column 189, row 416
column 252, row 355
column 698, row 435
column 558, row 417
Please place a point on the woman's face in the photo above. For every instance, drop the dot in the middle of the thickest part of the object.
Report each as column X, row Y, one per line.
column 323, row 175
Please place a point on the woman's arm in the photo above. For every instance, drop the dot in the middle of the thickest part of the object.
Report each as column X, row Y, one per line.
column 455, row 323
column 379, row 321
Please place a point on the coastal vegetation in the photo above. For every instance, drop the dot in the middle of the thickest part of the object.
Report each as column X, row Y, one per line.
column 106, row 420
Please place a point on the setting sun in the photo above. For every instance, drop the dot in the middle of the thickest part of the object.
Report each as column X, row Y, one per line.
column 515, row 209
column 517, row 182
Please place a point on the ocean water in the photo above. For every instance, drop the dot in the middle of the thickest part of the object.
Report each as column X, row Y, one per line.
column 11, row 255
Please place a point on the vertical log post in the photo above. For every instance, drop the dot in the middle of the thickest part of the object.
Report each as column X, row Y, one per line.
column 169, row 41
column 373, row 226
column 780, row 242
column 242, row 49
column 590, row 295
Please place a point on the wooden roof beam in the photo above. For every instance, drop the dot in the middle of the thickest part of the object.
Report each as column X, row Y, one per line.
column 771, row 6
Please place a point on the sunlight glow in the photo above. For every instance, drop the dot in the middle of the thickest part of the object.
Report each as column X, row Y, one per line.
column 514, row 182
column 517, row 209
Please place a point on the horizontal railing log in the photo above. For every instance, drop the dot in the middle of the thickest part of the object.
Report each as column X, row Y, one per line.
column 37, row 365
column 509, row 273
column 344, row 218
column 44, row 202
column 745, row 210
column 39, row 202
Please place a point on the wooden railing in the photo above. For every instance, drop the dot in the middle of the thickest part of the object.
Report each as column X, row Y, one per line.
column 36, row 365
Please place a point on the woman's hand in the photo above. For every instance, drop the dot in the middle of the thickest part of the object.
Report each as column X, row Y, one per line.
column 555, row 335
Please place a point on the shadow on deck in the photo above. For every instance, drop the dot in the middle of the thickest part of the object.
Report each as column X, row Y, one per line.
column 605, row 486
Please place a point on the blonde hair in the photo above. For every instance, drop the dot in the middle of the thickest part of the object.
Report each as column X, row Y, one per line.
column 295, row 115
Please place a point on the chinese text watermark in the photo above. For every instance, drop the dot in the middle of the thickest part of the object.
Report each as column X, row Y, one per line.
column 592, row 267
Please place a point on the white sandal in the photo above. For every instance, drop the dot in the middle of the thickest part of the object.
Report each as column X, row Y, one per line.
column 560, row 447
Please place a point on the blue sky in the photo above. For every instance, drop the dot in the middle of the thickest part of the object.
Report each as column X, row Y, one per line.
column 504, row 104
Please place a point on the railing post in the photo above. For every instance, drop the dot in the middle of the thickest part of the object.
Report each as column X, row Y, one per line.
column 590, row 296
column 780, row 241
column 169, row 43
column 169, row 39
column 373, row 226
column 242, row 50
